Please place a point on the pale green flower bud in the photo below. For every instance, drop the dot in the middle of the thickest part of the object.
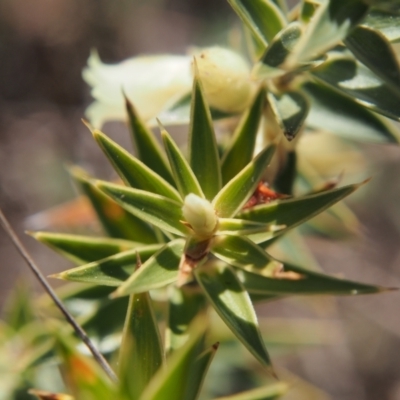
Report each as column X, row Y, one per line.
column 225, row 76
column 200, row 214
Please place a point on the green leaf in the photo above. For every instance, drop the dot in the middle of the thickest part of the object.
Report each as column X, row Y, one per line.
column 375, row 51
column 174, row 379
column 155, row 209
column 184, row 304
column 355, row 121
column 203, row 151
column 132, row 171
column 269, row 392
column 293, row 212
column 199, row 371
column 179, row 113
column 243, row 253
column 141, row 352
column 355, row 80
column 290, row 110
column 263, row 18
column 330, row 24
column 388, row 23
column 239, row 189
column 116, row 221
column 232, row 303
column 299, row 281
column 110, row 271
column 308, row 8
column 159, row 270
column 147, row 147
column 277, row 52
column 285, row 179
column 83, row 249
column 240, row 227
column 185, row 179
column 241, row 149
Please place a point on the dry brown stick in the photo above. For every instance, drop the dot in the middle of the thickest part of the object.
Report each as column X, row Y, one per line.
column 42, row 279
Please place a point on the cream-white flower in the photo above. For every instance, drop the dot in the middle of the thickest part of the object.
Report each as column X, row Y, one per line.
column 150, row 82
column 154, row 83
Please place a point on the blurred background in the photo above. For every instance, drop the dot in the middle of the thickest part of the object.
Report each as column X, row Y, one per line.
column 351, row 346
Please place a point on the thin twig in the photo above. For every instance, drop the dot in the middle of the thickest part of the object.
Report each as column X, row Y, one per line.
column 79, row 331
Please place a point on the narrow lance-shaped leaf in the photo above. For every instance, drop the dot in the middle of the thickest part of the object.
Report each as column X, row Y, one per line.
column 184, row 304
column 296, row 280
column 262, row 17
column 141, row 353
column 111, row 271
column 155, row 209
column 203, row 152
column 199, row 370
column 159, row 270
column 175, row 379
column 355, row 121
column 116, row 221
column 386, row 22
column 148, row 150
column 231, row 301
column 277, row 52
column 239, row 227
column 132, row 171
column 239, row 189
column 185, row 179
column 355, row 80
column 330, row 24
column 269, row 392
column 83, row 249
column 242, row 145
column 243, row 253
column 293, row 212
column 375, row 51
column 290, row 110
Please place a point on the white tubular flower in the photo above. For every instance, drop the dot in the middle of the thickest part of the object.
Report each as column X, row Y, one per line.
column 225, row 76
column 200, row 214
column 154, row 83
column 150, row 82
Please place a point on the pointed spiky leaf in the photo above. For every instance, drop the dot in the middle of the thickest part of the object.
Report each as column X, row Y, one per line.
column 262, row 17
column 355, row 121
column 277, row 52
column 159, row 270
column 116, row 221
column 241, row 149
column 293, row 212
column 272, row 391
column 83, row 249
column 111, row 271
column 184, row 304
column 243, row 253
column 355, row 80
column 141, row 352
column 203, row 152
column 147, row 147
column 132, row 171
column 239, row 227
column 185, row 179
column 388, row 23
column 154, row 209
column 290, row 110
column 299, row 281
column 182, row 364
column 330, row 24
column 239, row 189
column 375, row 51
column 232, row 303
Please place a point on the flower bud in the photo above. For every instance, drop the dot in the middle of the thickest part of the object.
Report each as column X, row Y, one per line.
column 200, row 214
column 225, row 76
